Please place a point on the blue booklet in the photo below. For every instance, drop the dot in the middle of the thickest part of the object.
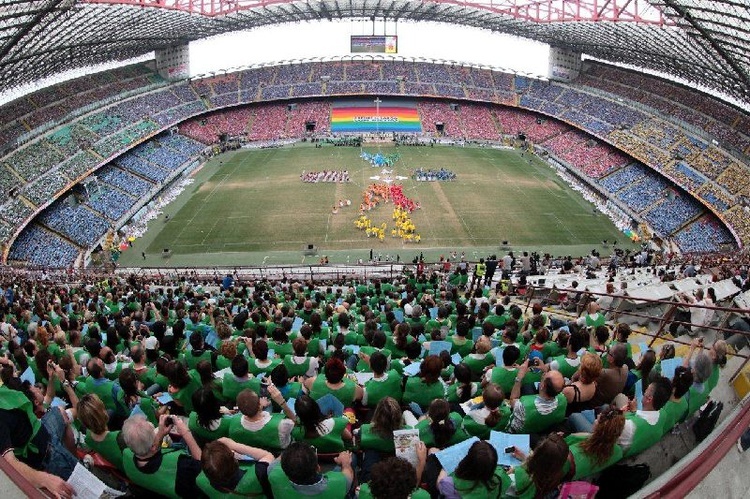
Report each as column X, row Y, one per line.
column 330, row 405
column 297, row 324
column 500, row 441
column 439, row 346
column 415, row 409
column 398, row 314
column 456, row 359
column 451, row 456
column 212, row 339
column 433, row 312
column 669, row 366
column 412, row 369
column 28, row 375
column 639, row 394
column 164, row 398
column 476, row 333
column 290, row 403
column 352, row 349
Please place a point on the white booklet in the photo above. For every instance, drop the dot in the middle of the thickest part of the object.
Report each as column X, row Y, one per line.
column 86, row 484
column 406, row 442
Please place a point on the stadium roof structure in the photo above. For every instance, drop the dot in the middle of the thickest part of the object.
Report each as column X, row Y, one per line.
column 705, row 42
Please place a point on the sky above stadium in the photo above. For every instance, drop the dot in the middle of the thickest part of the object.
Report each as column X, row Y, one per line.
column 331, row 39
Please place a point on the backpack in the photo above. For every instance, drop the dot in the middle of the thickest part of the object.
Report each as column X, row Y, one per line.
column 706, row 422
column 620, row 481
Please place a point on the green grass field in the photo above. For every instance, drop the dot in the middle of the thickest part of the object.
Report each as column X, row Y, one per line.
column 251, row 207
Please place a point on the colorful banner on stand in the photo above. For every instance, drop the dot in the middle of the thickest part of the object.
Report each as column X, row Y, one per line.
column 366, row 117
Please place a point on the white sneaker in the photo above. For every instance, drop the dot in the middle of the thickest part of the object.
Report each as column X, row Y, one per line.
column 739, row 445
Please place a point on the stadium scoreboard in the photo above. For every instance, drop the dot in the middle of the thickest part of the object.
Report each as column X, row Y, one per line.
column 378, row 44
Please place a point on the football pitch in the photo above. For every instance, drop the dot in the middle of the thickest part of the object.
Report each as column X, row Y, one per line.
column 251, row 207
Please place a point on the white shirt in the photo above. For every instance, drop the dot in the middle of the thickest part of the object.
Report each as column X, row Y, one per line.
column 285, row 427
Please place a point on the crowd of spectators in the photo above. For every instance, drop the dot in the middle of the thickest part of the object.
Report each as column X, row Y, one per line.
column 269, row 122
column 624, row 177
column 673, row 212
column 39, row 246
column 124, row 181
column 649, row 189
column 295, row 377
column 78, row 223
column 671, row 99
column 209, row 127
column 476, row 122
column 702, row 236
column 433, row 112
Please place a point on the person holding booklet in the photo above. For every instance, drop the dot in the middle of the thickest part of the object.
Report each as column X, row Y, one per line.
column 477, row 475
column 383, row 384
column 326, row 434
column 427, row 386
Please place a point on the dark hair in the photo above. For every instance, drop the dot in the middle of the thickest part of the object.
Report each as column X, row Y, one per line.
column 279, row 376
column 206, row 406
column 430, row 369
column 442, row 426
column 662, row 391
column 479, row 467
column 335, row 370
column 462, row 373
column 682, row 381
column 647, row 363
column 602, row 334
column 239, row 366
column 413, row 350
column 511, row 354
column 545, row 464
column 129, row 383
column 576, row 341
column 493, row 396
column 378, row 362
column 260, row 350
column 392, row 478
column 218, row 463
column 300, row 463
column 309, row 416
column 177, row 374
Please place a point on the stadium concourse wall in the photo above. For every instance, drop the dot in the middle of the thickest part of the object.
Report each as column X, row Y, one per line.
column 169, row 105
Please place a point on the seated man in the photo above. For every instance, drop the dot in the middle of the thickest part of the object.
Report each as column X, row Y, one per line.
column 258, row 428
column 611, row 381
column 34, row 447
column 168, row 472
column 646, row 427
column 537, row 413
column 299, row 474
column 223, row 475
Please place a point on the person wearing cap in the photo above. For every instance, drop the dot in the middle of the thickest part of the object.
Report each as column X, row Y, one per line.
column 537, row 413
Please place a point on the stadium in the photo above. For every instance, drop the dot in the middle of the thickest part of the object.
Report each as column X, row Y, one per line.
column 379, row 188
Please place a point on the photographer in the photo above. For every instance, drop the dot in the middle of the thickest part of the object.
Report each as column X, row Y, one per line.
column 166, row 471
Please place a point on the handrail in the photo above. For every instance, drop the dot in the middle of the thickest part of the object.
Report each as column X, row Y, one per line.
column 20, row 481
column 700, row 461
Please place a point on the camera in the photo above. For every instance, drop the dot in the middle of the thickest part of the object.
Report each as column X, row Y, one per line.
column 169, row 421
column 510, row 450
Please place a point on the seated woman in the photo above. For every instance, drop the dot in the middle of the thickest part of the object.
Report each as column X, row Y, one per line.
column 325, row 434
column 239, row 379
column 206, row 422
column 581, row 391
column 181, row 387
column 477, row 475
column 377, row 342
column 259, row 362
column 462, row 389
column 109, row 444
column 542, row 470
column 378, row 433
column 280, row 343
column 593, row 452
column 427, row 386
column 440, row 427
column 227, row 471
column 334, row 382
column 131, row 398
column 494, row 413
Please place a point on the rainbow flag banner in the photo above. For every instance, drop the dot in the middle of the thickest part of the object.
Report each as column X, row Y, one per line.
column 363, row 116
